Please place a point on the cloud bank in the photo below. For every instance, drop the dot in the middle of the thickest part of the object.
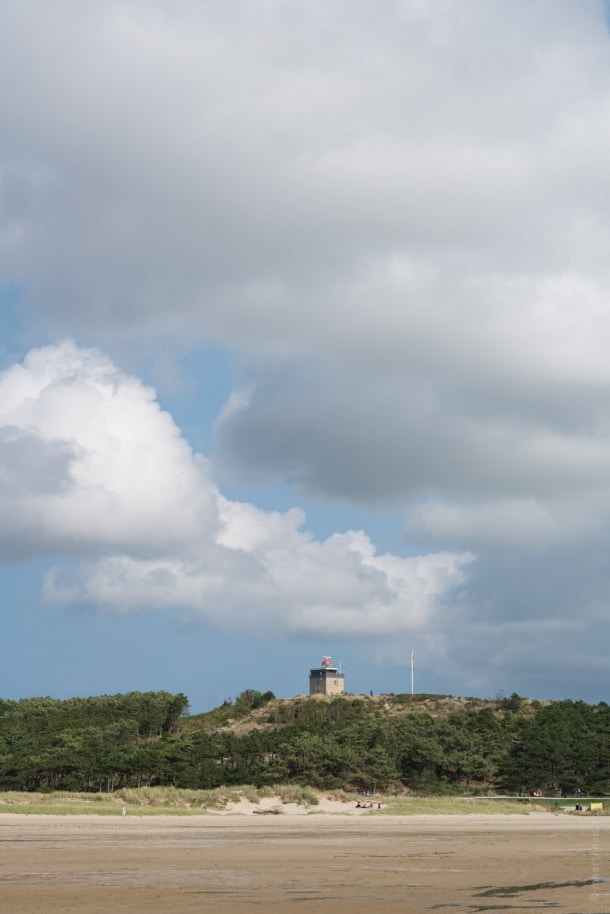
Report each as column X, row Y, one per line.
column 92, row 471
column 396, row 221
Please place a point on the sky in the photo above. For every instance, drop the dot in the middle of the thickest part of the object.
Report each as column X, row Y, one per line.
column 305, row 346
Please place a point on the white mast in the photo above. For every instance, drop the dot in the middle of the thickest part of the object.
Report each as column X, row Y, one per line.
column 412, row 670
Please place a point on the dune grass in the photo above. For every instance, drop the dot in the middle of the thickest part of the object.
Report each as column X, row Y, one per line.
column 158, row 801
column 457, row 806
column 149, row 801
column 58, row 804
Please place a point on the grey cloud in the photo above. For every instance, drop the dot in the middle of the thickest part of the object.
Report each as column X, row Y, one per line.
column 532, row 616
column 30, row 463
column 259, row 156
column 344, row 434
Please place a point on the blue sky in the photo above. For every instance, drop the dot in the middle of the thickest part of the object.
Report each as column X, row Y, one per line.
column 304, row 336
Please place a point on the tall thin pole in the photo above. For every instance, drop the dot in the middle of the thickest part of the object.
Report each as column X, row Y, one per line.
column 412, row 671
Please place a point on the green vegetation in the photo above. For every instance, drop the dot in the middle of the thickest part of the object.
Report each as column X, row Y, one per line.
column 143, row 801
column 424, row 745
column 158, row 801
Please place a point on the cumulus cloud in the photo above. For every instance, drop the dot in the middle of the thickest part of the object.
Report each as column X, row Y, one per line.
column 93, row 470
column 337, row 587
column 89, row 461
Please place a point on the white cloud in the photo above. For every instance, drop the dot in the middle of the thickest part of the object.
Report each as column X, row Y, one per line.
column 335, row 587
column 104, row 466
column 101, row 469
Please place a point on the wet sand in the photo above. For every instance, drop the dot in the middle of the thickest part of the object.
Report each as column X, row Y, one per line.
column 319, row 863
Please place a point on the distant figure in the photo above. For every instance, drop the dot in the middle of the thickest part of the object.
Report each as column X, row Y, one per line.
column 123, row 811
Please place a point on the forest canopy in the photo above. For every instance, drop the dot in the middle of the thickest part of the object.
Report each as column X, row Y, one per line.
column 147, row 738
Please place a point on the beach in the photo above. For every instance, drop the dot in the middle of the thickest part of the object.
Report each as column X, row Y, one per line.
column 324, row 862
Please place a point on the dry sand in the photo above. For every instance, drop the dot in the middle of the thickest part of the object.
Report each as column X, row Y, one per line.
column 322, row 862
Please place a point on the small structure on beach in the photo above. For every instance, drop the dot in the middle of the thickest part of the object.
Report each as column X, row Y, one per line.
column 326, row 679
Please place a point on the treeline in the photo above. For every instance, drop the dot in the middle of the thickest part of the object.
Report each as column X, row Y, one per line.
column 145, row 739
column 85, row 743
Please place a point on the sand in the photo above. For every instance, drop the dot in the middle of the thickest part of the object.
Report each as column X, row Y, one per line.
column 325, row 862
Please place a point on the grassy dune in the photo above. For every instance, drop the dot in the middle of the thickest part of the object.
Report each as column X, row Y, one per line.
column 155, row 801
column 148, row 801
